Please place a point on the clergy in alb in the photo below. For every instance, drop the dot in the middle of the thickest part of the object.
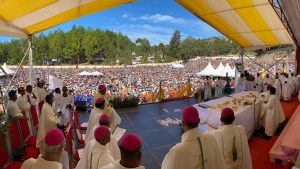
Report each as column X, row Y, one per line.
column 113, row 144
column 196, row 150
column 13, row 109
column 115, row 118
column 96, row 112
column 131, row 154
column 96, row 154
column 47, row 121
column 272, row 113
column 53, row 147
column 232, row 142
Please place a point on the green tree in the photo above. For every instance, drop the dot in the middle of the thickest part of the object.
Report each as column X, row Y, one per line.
column 174, row 44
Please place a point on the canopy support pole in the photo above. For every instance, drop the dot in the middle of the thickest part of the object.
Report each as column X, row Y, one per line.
column 297, row 59
column 30, row 60
column 242, row 56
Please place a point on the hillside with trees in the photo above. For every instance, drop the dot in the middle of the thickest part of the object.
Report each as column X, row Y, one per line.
column 95, row 46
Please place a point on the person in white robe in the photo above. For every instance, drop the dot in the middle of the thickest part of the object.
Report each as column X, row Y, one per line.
column 96, row 112
column 267, row 82
column 291, row 82
column 40, row 92
column 13, row 110
column 47, row 121
column 277, row 86
column 57, row 101
column 232, row 142
column 96, row 154
column 286, row 91
column 241, row 83
column 131, row 154
column 219, row 87
column 66, row 104
column 25, row 106
column 207, row 89
column 113, row 144
column 53, row 147
column 108, row 109
column 259, row 83
column 272, row 113
column 196, row 150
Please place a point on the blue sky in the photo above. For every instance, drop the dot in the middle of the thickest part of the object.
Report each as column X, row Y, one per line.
column 155, row 20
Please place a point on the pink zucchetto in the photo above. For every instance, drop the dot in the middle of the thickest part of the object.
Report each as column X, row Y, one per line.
column 227, row 113
column 190, row 114
column 54, row 137
column 104, row 118
column 101, row 87
column 130, row 142
column 101, row 132
column 100, row 100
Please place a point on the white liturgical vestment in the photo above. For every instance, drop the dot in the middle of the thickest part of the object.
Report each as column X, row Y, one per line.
column 232, row 138
column 272, row 115
column 40, row 163
column 93, row 121
column 117, row 165
column 48, row 120
column 95, row 156
column 195, row 150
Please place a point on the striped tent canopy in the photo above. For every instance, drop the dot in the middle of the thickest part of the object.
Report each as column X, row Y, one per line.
column 249, row 23
column 20, row 18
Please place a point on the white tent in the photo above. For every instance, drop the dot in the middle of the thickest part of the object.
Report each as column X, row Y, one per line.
column 209, row 70
column 8, row 70
column 220, row 70
column 96, row 73
column 229, row 70
column 84, row 73
column 178, row 66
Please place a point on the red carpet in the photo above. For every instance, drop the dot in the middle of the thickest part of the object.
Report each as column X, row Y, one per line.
column 260, row 148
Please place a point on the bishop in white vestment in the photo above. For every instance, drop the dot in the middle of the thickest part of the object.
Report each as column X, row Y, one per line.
column 232, row 142
column 53, row 147
column 96, row 153
column 130, row 146
column 96, row 112
column 195, row 150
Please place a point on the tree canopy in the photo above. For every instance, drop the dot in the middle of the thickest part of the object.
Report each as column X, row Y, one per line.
column 80, row 45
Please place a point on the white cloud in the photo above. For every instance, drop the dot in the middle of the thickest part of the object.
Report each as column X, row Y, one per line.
column 157, row 18
column 125, row 16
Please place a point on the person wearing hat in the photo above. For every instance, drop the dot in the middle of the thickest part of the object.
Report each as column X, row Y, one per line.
column 115, row 118
column 96, row 112
column 96, row 154
column 131, row 153
column 47, row 121
column 232, row 142
column 196, row 150
column 53, row 147
column 272, row 113
column 113, row 144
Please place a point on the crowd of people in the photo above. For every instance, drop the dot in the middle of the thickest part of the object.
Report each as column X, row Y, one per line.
column 138, row 81
column 102, row 151
column 225, row 147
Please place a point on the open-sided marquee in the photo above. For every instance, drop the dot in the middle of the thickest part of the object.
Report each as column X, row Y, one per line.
column 249, row 23
column 21, row 18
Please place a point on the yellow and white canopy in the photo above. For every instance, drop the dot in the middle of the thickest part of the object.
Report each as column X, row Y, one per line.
column 20, row 18
column 249, row 23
